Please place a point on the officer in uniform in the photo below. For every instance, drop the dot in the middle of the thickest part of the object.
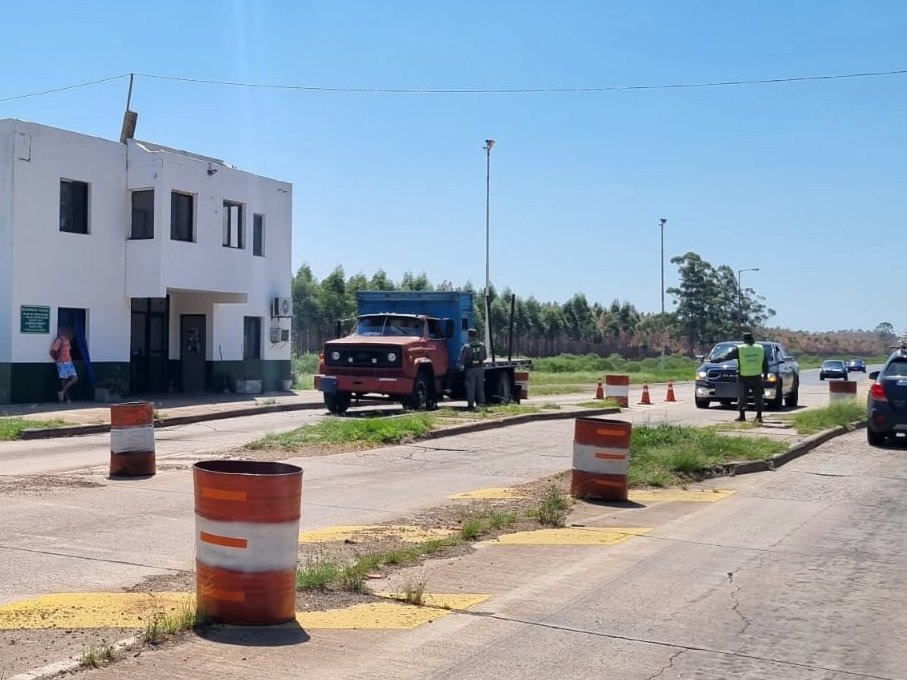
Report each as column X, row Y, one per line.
column 472, row 356
column 752, row 365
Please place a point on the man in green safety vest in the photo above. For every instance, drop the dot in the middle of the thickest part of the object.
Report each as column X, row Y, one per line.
column 471, row 360
column 752, row 365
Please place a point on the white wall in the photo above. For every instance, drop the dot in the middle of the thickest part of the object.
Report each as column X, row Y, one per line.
column 59, row 269
column 7, row 145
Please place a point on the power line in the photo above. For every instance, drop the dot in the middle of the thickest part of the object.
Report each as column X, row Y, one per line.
column 64, row 88
column 520, row 90
column 528, row 90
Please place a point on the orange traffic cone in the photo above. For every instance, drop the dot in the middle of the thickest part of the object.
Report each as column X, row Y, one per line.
column 670, row 396
column 645, row 395
column 599, row 392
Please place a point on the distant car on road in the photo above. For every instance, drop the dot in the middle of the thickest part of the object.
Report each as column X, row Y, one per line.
column 717, row 380
column 833, row 368
column 856, row 365
column 886, row 405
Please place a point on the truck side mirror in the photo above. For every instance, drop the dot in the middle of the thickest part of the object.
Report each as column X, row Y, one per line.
column 449, row 328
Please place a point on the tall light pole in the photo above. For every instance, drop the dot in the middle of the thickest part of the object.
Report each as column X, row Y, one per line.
column 662, row 222
column 740, row 295
column 489, row 143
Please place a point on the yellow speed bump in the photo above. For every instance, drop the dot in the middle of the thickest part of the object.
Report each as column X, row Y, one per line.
column 408, row 534
column 494, row 494
column 573, row 536
column 388, row 615
column 92, row 610
column 679, row 495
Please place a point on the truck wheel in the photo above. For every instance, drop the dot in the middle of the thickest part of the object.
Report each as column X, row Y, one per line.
column 775, row 403
column 793, row 398
column 337, row 402
column 421, row 398
column 702, row 403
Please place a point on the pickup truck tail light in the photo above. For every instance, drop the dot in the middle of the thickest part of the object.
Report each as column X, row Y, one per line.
column 877, row 392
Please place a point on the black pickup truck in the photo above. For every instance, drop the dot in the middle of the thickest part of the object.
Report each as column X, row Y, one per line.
column 717, row 381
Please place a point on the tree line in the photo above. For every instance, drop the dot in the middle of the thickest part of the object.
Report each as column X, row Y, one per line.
column 709, row 306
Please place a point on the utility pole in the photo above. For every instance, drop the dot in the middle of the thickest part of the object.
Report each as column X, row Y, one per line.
column 489, row 143
column 661, row 361
column 740, row 296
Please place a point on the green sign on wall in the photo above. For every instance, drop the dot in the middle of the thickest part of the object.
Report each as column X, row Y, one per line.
column 34, row 319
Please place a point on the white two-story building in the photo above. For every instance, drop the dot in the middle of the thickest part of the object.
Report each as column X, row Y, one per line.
column 173, row 269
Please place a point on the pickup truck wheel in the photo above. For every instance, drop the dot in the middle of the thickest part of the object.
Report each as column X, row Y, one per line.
column 337, row 402
column 702, row 403
column 793, row 398
column 421, row 398
column 874, row 438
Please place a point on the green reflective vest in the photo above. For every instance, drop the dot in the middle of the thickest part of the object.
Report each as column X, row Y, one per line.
column 475, row 353
column 749, row 359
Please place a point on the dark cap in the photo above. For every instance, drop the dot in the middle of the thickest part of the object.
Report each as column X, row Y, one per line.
column 748, row 338
column 473, row 331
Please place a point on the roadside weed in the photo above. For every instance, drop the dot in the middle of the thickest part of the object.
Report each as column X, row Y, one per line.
column 163, row 625
column 413, row 592
column 552, row 508
column 369, row 431
column 843, row 413
column 319, row 571
column 97, row 656
column 352, row 578
column 11, row 428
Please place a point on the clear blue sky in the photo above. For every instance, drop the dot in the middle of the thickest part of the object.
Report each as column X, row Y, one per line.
column 578, row 180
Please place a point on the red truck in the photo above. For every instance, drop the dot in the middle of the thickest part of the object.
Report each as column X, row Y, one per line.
column 404, row 347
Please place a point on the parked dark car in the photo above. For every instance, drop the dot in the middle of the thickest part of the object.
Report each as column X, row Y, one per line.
column 833, row 368
column 717, row 380
column 856, row 365
column 886, row 405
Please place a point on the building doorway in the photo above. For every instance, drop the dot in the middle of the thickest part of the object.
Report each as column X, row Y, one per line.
column 192, row 352
column 149, row 345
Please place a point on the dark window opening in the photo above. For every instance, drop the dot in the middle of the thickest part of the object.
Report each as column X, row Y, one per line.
column 233, row 225
column 76, row 320
column 251, row 347
column 182, row 217
column 73, row 206
column 142, row 214
column 258, row 235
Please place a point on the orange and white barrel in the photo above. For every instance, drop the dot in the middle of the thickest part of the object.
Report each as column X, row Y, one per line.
column 841, row 390
column 132, row 439
column 617, row 387
column 246, row 538
column 601, row 459
column 521, row 381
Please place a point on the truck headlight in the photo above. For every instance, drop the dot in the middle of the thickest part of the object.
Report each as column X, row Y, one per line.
column 771, row 378
column 335, row 356
column 391, row 357
column 702, row 375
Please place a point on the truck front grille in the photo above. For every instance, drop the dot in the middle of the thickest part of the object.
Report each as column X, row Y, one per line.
column 364, row 357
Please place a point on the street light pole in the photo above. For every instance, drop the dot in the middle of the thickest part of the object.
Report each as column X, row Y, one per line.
column 662, row 222
column 489, row 143
column 740, row 295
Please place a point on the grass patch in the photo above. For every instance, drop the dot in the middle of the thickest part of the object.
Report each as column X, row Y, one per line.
column 318, row 572
column 599, row 403
column 11, row 428
column 843, row 413
column 360, row 431
column 552, row 508
column 476, row 523
column 665, row 455
column 95, row 657
column 164, row 625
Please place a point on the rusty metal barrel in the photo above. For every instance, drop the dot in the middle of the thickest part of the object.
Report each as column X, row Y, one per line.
column 617, row 387
column 246, row 538
column 841, row 390
column 521, row 381
column 601, row 459
column 132, row 439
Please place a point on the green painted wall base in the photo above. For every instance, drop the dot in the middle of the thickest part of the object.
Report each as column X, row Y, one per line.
column 30, row 383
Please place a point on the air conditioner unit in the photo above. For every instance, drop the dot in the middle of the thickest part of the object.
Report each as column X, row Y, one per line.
column 275, row 334
column 281, row 306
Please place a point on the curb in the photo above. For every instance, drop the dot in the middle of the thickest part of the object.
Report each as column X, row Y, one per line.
column 794, row 452
column 76, row 430
column 484, row 425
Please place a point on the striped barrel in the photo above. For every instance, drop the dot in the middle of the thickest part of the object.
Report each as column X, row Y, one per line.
column 132, row 439
column 617, row 387
column 246, row 538
column 841, row 390
column 601, row 459
column 521, row 380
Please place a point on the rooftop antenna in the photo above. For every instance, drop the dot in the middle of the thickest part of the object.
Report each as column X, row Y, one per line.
column 130, row 118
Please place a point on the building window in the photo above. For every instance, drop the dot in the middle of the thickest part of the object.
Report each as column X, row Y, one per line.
column 233, row 226
column 142, row 214
column 258, row 235
column 182, row 213
column 251, row 345
column 73, row 206
column 76, row 320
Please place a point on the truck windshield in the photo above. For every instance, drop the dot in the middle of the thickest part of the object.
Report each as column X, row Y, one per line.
column 387, row 325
